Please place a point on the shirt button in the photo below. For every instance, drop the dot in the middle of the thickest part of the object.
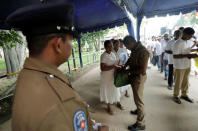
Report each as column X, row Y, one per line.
column 51, row 76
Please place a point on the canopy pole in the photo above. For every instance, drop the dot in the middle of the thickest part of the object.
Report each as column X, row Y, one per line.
column 80, row 55
column 130, row 28
column 138, row 24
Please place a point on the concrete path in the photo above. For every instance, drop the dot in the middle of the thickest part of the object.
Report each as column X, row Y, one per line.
column 162, row 114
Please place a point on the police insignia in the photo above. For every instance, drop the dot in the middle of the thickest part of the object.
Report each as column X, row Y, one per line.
column 80, row 121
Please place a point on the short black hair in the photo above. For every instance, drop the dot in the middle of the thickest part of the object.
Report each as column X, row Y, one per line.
column 106, row 43
column 181, row 28
column 189, row 31
column 112, row 40
column 128, row 39
column 36, row 44
column 177, row 32
column 116, row 41
column 121, row 41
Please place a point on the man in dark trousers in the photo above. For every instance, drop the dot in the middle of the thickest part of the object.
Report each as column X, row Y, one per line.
column 137, row 63
column 169, row 51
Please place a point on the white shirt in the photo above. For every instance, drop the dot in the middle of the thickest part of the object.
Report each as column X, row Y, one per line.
column 152, row 44
column 116, row 54
column 158, row 48
column 108, row 59
column 169, row 47
column 123, row 50
column 163, row 46
column 123, row 55
column 182, row 47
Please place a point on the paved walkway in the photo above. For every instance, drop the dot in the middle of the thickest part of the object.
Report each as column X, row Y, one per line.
column 162, row 114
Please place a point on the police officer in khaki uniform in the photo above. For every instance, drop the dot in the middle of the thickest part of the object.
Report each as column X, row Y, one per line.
column 137, row 63
column 44, row 99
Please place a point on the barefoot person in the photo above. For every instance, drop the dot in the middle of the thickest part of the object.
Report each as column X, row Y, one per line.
column 44, row 99
column 108, row 92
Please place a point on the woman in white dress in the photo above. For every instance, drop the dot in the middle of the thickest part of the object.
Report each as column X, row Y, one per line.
column 108, row 92
column 122, row 57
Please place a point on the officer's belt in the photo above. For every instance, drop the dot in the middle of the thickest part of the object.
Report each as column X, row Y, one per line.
column 143, row 74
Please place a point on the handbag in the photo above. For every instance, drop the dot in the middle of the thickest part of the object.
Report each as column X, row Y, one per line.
column 121, row 79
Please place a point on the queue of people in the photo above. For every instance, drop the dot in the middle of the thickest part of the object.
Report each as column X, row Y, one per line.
column 46, row 101
column 116, row 58
column 109, row 62
column 175, row 58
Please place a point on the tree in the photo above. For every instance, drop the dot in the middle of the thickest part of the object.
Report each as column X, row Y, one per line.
column 13, row 46
column 94, row 39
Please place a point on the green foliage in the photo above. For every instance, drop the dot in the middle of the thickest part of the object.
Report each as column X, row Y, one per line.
column 191, row 19
column 94, row 36
column 92, row 39
column 10, row 38
column 2, row 65
column 75, row 44
column 121, row 29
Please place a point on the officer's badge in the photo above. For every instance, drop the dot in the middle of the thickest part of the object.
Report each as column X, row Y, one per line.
column 80, row 121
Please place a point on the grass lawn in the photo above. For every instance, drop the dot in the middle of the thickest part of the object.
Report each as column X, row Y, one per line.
column 2, row 65
column 87, row 58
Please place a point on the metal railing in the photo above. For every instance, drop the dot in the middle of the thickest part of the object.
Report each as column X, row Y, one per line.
column 88, row 59
column 10, row 74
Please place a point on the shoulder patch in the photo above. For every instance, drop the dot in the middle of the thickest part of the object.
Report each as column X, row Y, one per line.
column 80, row 121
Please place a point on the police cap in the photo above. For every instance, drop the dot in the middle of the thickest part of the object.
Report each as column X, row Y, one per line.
column 42, row 19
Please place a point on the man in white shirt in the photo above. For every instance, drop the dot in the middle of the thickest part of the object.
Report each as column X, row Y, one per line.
column 164, row 62
column 158, row 53
column 169, row 51
column 151, row 50
column 181, row 60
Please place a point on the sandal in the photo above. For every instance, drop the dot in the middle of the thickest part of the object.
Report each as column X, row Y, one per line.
column 110, row 111
column 126, row 95
column 120, row 106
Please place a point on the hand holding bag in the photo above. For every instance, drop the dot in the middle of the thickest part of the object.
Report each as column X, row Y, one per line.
column 120, row 78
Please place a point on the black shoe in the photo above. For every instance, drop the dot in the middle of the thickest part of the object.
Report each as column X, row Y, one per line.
column 134, row 112
column 170, row 87
column 177, row 100
column 136, row 127
column 186, row 98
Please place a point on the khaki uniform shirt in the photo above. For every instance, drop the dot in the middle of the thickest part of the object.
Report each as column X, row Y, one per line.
column 45, row 101
column 138, row 58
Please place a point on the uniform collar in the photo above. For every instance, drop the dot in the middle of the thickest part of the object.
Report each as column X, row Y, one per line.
column 37, row 65
column 136, row 47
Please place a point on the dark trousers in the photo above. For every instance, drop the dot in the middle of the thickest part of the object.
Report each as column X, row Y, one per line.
column 170, row 75
column 165, row 63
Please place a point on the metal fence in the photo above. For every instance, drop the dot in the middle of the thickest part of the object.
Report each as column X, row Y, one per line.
column 88, row 58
